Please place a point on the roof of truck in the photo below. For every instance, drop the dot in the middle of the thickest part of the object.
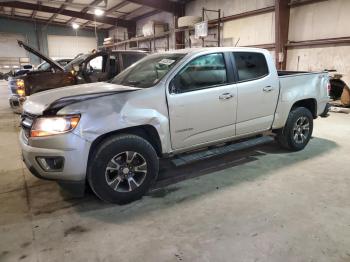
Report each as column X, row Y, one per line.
column 129, row 51
column 215, row 49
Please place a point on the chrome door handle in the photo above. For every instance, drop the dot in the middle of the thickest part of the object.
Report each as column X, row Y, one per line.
column 225, row 96
column 267, row 89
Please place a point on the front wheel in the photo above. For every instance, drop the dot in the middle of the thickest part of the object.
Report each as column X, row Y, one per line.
column 298, row 129
column 122, row 169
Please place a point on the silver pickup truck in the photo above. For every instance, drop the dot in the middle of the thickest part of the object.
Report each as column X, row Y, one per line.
column 112, row 134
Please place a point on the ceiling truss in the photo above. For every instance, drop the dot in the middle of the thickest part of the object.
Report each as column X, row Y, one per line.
column 66, row 12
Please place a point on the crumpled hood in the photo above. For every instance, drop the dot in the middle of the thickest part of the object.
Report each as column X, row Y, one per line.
column 56, row 98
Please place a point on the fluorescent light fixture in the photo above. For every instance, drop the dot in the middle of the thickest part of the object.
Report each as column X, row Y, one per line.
column 99, row 12
column 6, row 66
column 75, row 26
column 15, row 66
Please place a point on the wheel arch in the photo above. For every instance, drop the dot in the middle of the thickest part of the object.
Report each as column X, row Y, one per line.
column 309, row 103
column 147, row 132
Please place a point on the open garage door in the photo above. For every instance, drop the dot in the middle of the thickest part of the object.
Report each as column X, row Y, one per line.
column 11, row 55
column 69, row 46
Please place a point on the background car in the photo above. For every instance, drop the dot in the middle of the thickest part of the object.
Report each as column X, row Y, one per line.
column 85, row 68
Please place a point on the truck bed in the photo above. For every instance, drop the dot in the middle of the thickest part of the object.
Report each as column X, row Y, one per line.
column 286, row 73
column 314, row 82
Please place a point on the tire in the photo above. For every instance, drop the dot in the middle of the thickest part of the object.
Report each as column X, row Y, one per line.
column 122, row 169
column 297, row 132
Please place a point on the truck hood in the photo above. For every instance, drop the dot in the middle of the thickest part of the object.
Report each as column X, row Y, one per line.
column 51, row 101
column 32, row 50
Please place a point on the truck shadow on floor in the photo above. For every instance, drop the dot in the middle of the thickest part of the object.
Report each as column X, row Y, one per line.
column 180, row 184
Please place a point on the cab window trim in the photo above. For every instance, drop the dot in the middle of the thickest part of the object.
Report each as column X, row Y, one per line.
column 235, row 68
column 252, row 79
column 230, row 78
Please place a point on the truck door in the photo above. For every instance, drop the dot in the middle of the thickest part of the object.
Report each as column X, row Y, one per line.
column 258, row 90
column 96, row 67
column 202, row 102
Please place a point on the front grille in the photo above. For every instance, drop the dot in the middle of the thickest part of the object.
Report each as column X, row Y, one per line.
column 27, row 122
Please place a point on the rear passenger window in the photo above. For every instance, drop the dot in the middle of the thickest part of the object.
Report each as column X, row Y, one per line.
column 250, row 65
column 202, row 72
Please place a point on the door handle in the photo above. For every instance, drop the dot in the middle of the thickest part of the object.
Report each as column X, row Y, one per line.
column 267, row 89
column 225, row 96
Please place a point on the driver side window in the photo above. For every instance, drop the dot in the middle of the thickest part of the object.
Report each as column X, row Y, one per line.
column 202, row 72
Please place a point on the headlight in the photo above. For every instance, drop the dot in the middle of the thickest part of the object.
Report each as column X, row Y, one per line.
column 46, row 126
column 20, row 87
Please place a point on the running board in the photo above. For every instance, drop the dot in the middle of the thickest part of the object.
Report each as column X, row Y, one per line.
column 196, row 156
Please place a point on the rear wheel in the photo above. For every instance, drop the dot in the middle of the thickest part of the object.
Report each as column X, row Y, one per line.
column 298, row 129
column 122, row 169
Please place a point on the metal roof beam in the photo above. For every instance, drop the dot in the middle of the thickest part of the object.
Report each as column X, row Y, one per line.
column 148, row 14
column 53, row 10
column 85, row 9
column 63, row 6
column 117, row 7
column 71, row 4
column 37, row 20
column 164, row 5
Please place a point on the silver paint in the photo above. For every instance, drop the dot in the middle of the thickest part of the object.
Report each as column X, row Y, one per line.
column 158, row 108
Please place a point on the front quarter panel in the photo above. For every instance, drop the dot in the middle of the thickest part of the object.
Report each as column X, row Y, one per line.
column 124, row 110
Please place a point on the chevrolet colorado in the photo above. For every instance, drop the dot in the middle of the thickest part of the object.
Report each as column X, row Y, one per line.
column 111, row 135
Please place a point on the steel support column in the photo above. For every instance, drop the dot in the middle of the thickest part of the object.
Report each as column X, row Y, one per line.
column 179, row 36
column 281, row 32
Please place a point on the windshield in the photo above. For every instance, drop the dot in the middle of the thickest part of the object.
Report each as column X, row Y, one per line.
column 148, row 71
column 76, row 62
column 44, row 66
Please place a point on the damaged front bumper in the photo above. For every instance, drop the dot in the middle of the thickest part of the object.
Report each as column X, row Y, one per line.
column 69, row 147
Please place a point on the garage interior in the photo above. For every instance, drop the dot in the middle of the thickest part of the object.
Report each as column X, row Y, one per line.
column 261, row 203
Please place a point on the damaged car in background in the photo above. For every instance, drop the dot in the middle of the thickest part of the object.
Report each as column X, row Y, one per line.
column 44, row 66
column 86, row 68
column 173, row 104
column 21, row 71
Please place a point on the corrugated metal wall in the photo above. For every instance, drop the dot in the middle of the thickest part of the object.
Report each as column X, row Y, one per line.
column 325, row 19
column 60, row 46
column 328, row 19
column 39, row 38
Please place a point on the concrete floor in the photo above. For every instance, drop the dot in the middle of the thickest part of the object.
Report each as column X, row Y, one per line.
column 262, row 204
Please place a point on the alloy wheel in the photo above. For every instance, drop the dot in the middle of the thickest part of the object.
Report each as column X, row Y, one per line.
column 301, row 130
column 126, row 171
